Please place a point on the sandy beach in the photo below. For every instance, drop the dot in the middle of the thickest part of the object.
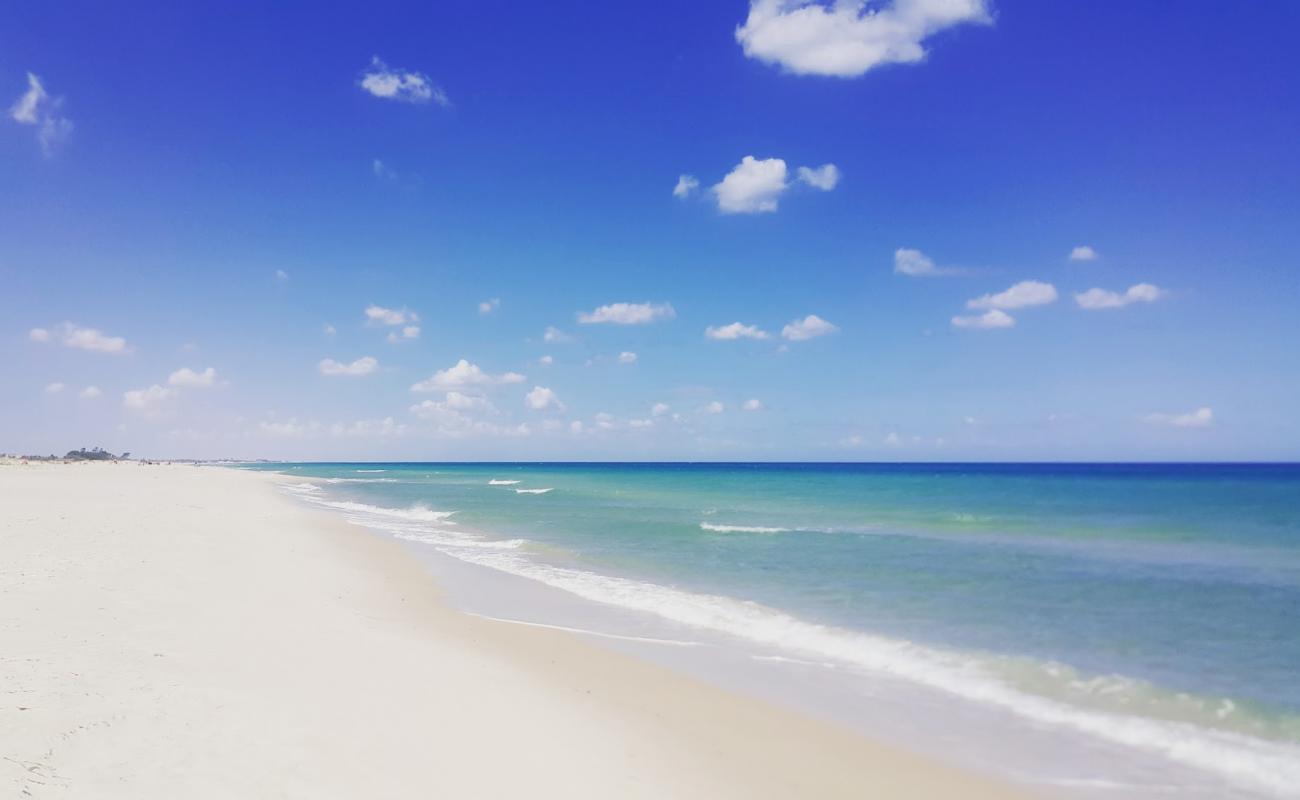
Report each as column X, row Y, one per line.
column 174, row 631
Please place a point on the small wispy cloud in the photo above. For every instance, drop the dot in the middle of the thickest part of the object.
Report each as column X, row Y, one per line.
column 735, row 330
column 989, row 320
column 77, row 337
column 1021, row 295
column 915, row 264
column 402, row 85
column 1098, row 299
column 627, row 357
column 378, row 315
column 489, row 305
column 542, row 398
column 1083, row 253
column 464, row 374
column 1200, row 418
column 627, row 314
column 407, row 334
column 362, row 366
column 825, row 177
column 810, row 327
column 38, row 109
column 554, row 335
column 189, row 378
column 686, row 186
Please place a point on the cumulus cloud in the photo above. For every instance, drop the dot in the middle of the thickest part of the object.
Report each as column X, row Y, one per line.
column 810, row 327
column 70, row 335
column 408, row 333
column 824, row 177
column 406, row 86
column 686, row 186
column 362, row 366
column 640, row 423
column 1083, row 253
column 993, row 318
column 848, row 37
column 753, row 187
column 554, row 335
column 378, row 315
column 490, row 305
column 626, row 314
column 53, row 388
column 735, row 330
column 546, row 361
column 916, row 264
column 1022, row 295
column 714, row 408
column 1096, row 299
column 1200, row 418
column 36, row 108
column 627, row 357
column 659, row 409
column 461, row 375
column 188, row 377
column 148, row 401
column 89, row 393
column 542, row 398
column 752, row 404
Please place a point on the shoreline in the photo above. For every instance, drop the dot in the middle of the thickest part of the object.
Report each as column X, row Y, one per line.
column 186, row 630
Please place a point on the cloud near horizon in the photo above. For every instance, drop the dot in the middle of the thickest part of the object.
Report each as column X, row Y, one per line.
column 990, row 320
column 1200, row 418
column 848, row 38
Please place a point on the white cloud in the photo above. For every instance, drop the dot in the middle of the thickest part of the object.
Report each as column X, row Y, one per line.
column 37, row 108
column 405, row 86
column 147, row 401
column 605, row 421
column 659, row 409
column 382, row 170
column 1200, row 418
column 686, row 186
column 627, row 357
column 53, row 388
column 752, row 404
column 1083, row 253
column 1022, row 295
column 409, row 332
column 488, row 306
column 554, row 335
column 575, row 426
column 89, row 393
column 810, row 327
column 362, row 366
column 188, row 377
column 735, row 330
column 714, row 408
column 892, row 440
column 753, row 187
column 1095, row 299
column 848, row 37
column 329, row 330
column 378, row 315
column 640, row 423
column 290, row 428
column 993, row 318
column 464, row 374
column 546, row 361
column 916, row 264
column 281, row 276
column 627, row 314
column 83, row 339
column 824, row 177
column 541, row 398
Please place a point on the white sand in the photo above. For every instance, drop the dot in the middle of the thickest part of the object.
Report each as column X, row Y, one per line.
column 183, row 632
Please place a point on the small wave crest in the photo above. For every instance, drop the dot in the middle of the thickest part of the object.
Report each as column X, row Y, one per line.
column 496, row 482
column 301, row 487
column 416, row 513
column 709, row 526
column 533, row 491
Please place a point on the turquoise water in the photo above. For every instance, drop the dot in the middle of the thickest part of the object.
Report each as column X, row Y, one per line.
column 1150, row 606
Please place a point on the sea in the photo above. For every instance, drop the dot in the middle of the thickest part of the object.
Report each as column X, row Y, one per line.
column 1097, row 630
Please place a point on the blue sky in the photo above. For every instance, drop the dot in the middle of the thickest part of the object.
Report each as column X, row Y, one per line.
column 233, row 187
